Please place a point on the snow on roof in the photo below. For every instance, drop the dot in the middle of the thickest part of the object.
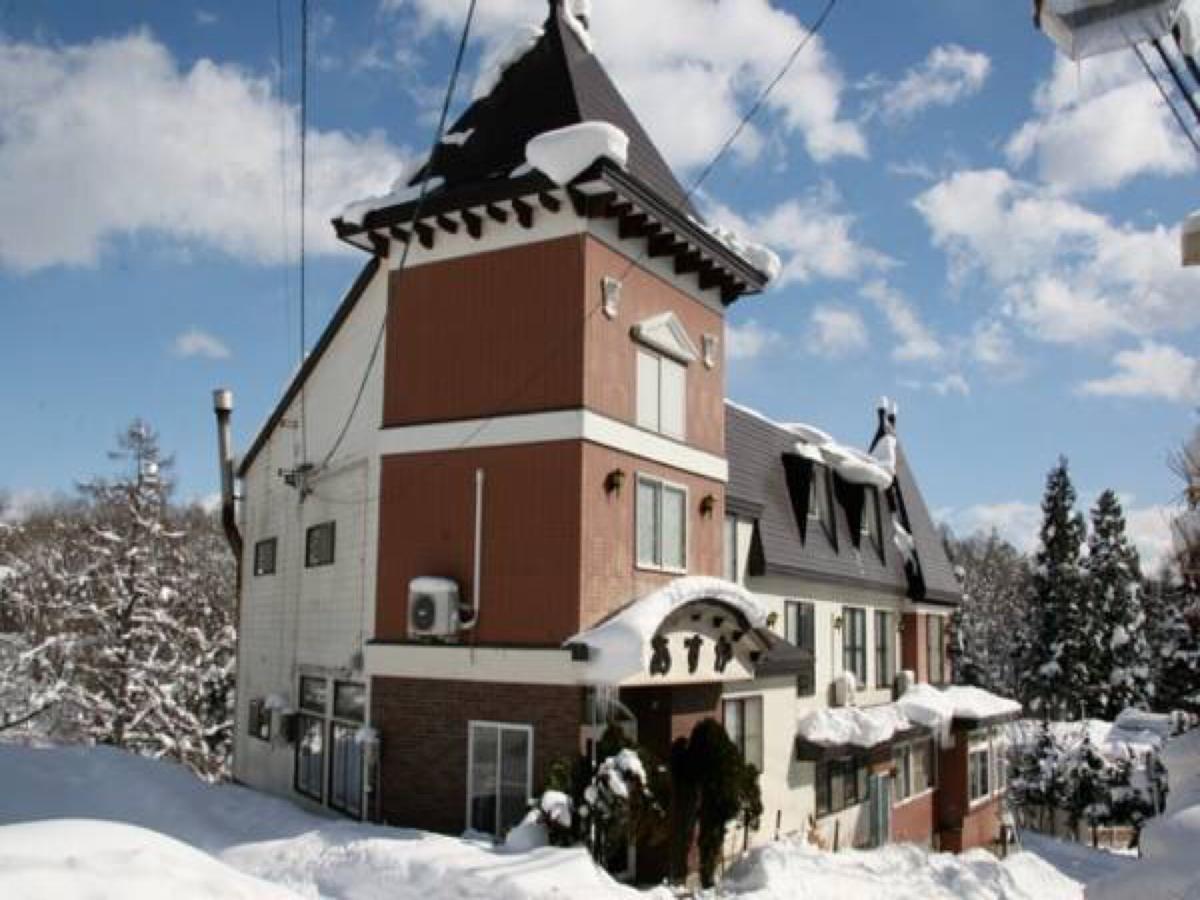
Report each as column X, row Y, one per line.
column 429, row 584
column 457, row 138
column 760, row 256
column 564, row 153
column 519, row 43
column 571, row 15
column 355, row 212
column 619, row 646
column 922, row 704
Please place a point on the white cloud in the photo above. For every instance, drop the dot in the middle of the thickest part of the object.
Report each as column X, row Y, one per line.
column 836, row 331
column 914, row 341
column 949, row 73
column 195, row 342
column 1152, row 370
column 113, row 139
column 954, row 383
column 990, row 346
column 671, row 62
column 749, row 341
column 1097, row 124
column 1150, row 530
column 812, row 234
column 206, row 17
column 1016, row 522
column 1067, row 274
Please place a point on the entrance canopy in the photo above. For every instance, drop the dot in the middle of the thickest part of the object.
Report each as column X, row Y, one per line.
column 693, row 629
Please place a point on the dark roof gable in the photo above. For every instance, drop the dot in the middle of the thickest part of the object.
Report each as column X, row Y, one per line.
column 558, row 82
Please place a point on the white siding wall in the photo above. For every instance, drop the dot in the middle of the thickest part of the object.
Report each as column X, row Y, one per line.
column 316, row 619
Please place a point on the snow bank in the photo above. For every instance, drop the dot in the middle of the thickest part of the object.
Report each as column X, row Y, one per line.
column 620, row 646
column 563, row 153
column 793, row 869
column 1170, row 842
column 272, row 839
column 102, row 860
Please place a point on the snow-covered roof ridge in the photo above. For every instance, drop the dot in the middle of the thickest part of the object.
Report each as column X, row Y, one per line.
column 760, row 256
column 618, row 646
column 355, row 212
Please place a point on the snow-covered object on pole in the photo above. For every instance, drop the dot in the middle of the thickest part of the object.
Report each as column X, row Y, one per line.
column 619, row 648
column 1084, row 28
column 564, row 153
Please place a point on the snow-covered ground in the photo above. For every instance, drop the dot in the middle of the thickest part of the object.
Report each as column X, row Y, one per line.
column 235, row 835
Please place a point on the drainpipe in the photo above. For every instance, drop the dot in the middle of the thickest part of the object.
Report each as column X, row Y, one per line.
column 472, row 619
column 223, row 408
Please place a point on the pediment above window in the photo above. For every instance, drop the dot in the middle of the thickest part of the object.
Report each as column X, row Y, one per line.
column 666, row 334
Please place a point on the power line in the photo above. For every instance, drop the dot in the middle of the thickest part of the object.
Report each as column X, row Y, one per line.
column 303, row 203
column 1166, row 98
column 437, row 138
column 283, row 216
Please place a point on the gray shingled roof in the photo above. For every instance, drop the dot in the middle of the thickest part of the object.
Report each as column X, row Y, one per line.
column 758, row 483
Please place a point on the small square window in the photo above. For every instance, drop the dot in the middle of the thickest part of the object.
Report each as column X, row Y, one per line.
column 349, row 701
column 319, row 545
column 264, row 556
column 314, row 692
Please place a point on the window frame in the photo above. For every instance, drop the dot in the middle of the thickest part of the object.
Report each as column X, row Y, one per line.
column 744, row 703
column 885, row 648
column 659, row 362
column 820, row 499
column 940, row 644
column 729, row 549
column 501, row 727
column 661, row 487
column 340, row 721
column 792, row 610
column 853, row 652
column 839, row 783
column 301, row 787
column 260, row 546
column 977, row 772
column 309, row 533
column 905, row 758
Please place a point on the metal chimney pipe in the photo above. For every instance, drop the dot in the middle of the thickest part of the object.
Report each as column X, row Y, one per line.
column 223, row 408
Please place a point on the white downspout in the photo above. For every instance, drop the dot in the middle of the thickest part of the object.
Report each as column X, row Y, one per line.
column 476, row 593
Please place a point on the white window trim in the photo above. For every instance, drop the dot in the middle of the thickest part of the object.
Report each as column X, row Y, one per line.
column 502, row 726
column 742, row 697
column 660, row 360
column 650, row 567
column 666, row 334
column 987, row 797
column 911, row 746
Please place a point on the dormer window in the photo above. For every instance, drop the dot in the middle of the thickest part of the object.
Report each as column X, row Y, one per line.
column 871, row 525
column 662, row 362
column 820, row 508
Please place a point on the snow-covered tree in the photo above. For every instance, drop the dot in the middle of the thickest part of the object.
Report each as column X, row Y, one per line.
column 1056, row 656
column 121, row 612
column 1113, row 619
column 988, row 626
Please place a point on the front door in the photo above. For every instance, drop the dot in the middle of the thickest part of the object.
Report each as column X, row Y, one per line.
column 881, row 809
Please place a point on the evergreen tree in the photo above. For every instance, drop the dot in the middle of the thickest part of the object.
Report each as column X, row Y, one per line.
column 1114, row 620
column 1056, row 655
column 989, row 625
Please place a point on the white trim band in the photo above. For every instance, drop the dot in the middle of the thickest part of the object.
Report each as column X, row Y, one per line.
column 508, row 665
column 539, row 428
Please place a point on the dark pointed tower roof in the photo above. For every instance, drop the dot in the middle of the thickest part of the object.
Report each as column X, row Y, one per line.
column 556, row 83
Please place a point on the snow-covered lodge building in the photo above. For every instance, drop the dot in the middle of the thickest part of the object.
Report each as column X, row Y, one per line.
column 504, row 503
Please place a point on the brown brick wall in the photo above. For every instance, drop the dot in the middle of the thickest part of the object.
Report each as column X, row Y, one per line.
column 423, row 733
column 913, row 820
column 610, row 579
column 913, row 649
column 610, row 354
column 531, row 537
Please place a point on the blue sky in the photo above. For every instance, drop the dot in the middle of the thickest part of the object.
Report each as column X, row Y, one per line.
column 968, row 224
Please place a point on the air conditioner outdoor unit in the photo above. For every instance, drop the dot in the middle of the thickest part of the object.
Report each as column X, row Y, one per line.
column 432, row 607
column 843, row 689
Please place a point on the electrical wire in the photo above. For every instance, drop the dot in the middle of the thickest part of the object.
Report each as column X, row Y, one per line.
column 303, row 203
column 399, row 271
column 1166, row 98
column 283, row 206
column 1183, row 88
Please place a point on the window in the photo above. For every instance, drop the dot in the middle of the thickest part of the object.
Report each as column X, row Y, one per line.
column 661, row 394
column 259, row 724
column 661, row 525
column 841, row 783
column 313, row 694
column 799, row 627
column 977, row 773
column 819, row 506
column 730, row 548
column 999, row 767
column 854, row 643
column 346, row 760
column 914, row 769
column 499, row 779
column 935, row 637
column 310, row 744
column 318, row 545
column 743, row 720
column 871, row 525
column 885, row 649
column 264, row 556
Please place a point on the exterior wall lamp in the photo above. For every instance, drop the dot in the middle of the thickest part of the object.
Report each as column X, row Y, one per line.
column 614, row 481
column 837, row 623
column 707, row 503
